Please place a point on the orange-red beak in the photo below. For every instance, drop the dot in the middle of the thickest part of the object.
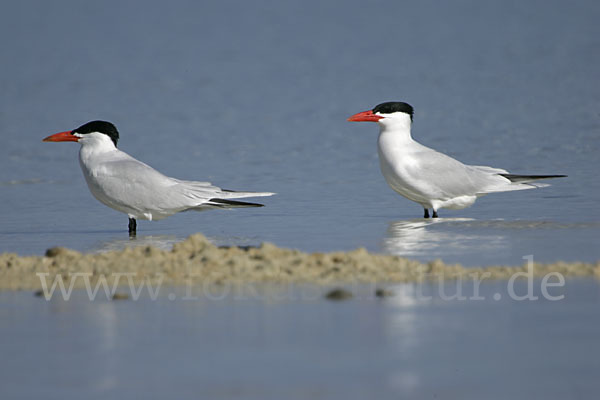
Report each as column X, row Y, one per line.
column 365, row 116
column 61, row 137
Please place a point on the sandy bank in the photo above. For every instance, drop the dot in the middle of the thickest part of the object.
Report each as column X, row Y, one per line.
column 197, row 261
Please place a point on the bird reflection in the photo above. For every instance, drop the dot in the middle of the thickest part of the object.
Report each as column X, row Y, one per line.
column 402, row 327
column 436, row 237
column 163, row 242
column 166, row 242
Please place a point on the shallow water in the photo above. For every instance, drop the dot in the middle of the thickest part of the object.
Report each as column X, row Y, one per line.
column 258, row 99
column 231, row 343
column 255, row 96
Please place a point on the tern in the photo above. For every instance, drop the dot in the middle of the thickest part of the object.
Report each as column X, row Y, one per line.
column 425, row 176
column 125, row 184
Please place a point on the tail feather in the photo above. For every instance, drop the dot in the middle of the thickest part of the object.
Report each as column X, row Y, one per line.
column 528, row 178
column 224, row 203
column 518, row 182
column 232, row 194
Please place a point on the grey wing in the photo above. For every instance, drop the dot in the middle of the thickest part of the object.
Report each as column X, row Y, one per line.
column 138, row 186
column 136, row 183
column 449, row 178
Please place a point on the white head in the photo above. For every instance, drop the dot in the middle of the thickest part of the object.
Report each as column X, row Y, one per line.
column 390, row 115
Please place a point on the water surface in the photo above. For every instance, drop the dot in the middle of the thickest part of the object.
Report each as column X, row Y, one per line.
column 257, row 99
column 255, row 96
column 253, row 343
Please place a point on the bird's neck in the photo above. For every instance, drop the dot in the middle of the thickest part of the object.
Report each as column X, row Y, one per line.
column 93, row 149
column 395, row 133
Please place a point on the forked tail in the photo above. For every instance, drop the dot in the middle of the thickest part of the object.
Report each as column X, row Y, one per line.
column 529, row 178
column 224, row 203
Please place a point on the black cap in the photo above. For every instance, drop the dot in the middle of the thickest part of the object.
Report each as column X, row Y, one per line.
column 101, row 127
column 394, row 106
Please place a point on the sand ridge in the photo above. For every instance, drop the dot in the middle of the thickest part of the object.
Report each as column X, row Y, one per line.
column 197, row 261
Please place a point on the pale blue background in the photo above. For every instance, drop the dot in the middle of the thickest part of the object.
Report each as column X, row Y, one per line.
column 254, row 95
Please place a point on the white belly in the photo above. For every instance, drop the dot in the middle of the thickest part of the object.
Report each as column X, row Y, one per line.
column 405, row 172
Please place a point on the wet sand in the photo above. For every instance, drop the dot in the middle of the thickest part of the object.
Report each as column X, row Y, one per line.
column 197, row 261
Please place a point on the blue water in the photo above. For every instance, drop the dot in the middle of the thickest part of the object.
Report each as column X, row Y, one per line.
column 292, row 343
column 254, row 96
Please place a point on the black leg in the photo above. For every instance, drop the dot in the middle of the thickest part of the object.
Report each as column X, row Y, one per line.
column 435, row 214
column 426, row 213
column 132, row 226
